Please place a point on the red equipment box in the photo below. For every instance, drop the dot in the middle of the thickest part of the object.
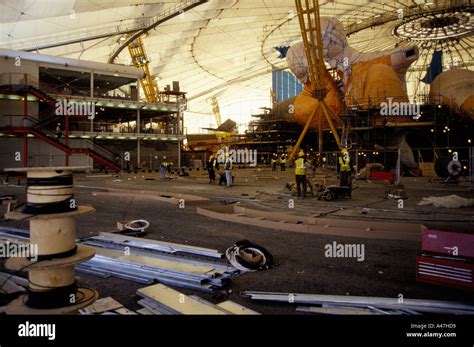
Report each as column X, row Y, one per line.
column 448, row 243
column 445, row 272
column 382, row 176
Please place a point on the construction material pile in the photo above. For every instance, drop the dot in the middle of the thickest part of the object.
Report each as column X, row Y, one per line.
column 147, row 261
column 160, row 299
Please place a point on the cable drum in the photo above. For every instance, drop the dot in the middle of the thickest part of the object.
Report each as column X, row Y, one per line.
column 454, row 167
column 49, row 192
column 247, row 256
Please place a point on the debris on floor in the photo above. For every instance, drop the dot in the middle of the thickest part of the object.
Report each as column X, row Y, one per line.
column 450, row 201
column 102, row 305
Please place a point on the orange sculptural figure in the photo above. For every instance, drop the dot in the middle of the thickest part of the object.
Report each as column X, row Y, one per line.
column 454, row 88
column 367, row 78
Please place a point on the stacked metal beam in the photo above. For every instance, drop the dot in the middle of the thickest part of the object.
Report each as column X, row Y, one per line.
column 217, row 278
column 160, row 299
column 110, row 261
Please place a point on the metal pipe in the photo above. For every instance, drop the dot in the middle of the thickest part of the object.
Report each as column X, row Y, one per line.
column 314, row 299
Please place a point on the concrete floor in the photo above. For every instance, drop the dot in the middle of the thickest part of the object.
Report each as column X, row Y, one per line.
column 388, row 269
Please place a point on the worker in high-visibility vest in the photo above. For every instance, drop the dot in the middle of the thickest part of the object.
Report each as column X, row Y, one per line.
column 300, row 174
column 283, row 162
column 344, row 169
column 274, row 162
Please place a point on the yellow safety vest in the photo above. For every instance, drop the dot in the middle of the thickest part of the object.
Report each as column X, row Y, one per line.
column 345, row 164
column 228, row 164
column 300, row 168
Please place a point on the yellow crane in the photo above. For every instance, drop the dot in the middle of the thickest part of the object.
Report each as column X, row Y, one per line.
column 310, row 26
column 140, row 60
column 214, row 103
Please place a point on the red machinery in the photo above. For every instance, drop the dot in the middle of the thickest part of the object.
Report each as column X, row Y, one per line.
column 447, row 259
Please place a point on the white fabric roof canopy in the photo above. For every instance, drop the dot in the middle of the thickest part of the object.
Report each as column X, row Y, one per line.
column 223, row 48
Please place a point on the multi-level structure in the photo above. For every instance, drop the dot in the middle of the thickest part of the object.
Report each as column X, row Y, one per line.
column 57, row 111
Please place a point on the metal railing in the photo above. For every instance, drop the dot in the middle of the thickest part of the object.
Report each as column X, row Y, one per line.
column 17, row 78
column 18, row 121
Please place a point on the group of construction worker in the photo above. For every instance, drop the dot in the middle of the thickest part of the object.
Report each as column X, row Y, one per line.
column 344, row 171
column 212, row 166
column 278, row 160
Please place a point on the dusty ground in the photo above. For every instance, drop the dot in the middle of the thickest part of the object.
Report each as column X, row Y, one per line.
column 388, row 269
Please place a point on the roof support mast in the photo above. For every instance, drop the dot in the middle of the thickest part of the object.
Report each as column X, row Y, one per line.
column 310, row 26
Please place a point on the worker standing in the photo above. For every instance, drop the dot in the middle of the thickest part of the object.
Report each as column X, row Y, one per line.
column 163, row 168
column 228, row 170
column 300, row 174
column 283, row 162
column 274, row 162
column 168, row 168
column 344, row 169
column 211, row 166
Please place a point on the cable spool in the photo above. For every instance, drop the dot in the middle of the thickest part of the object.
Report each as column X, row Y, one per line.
column 454, row 168
column 446, row 166
column 247, row 256
column 51, row 210
column 49, row 192
column 137, row 225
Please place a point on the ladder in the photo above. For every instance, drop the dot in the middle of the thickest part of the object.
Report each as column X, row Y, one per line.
column 140, row 60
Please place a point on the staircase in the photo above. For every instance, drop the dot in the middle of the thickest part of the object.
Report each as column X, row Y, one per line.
column 97, row 153
column 26, row 84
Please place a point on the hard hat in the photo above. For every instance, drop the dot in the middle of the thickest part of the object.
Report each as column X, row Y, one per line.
column 344, row 150
column 301, row 154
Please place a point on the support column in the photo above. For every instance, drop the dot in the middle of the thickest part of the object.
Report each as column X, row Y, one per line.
column 25, row 120
column 92, row 86
column 138, row 152
column 320, row 138
column 66, row 134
